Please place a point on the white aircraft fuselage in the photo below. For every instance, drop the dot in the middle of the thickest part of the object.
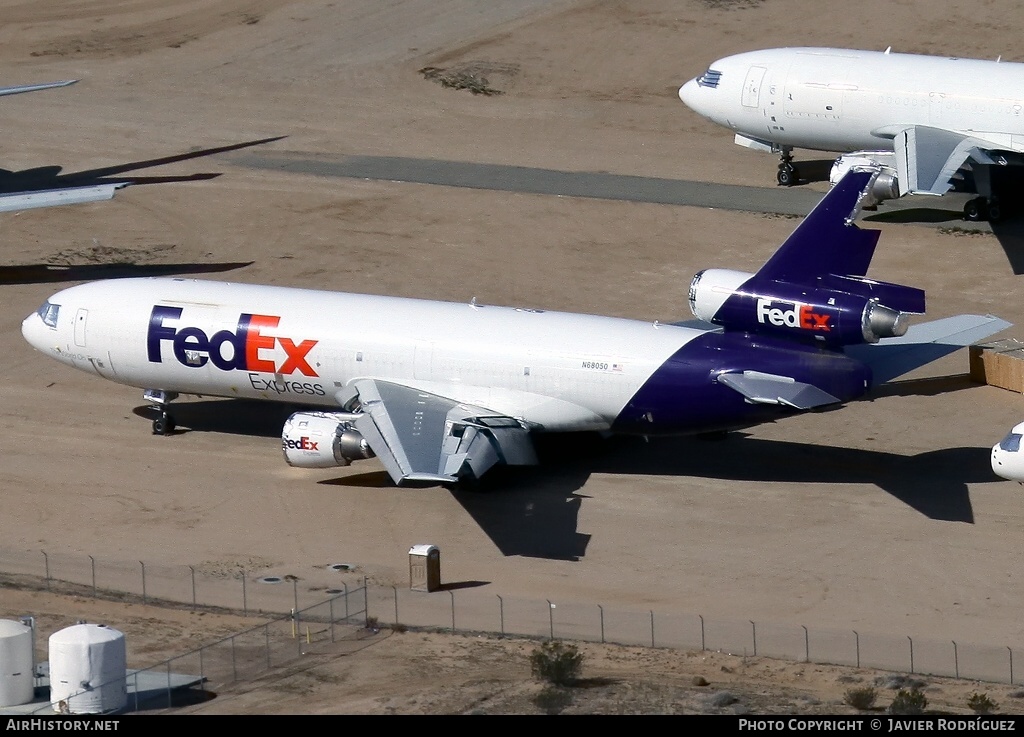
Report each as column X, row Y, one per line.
column 931, row 123
column 842, row 100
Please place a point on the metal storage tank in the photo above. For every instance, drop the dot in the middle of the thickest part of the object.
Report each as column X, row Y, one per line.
column 87, row 670
column 16, row 677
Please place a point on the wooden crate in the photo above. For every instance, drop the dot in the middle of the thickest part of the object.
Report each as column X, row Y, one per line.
column 999, row 363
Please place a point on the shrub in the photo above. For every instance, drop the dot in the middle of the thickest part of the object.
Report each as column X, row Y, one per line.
column 372, row 622
column 398, row 627
column 557, row 663
column 862, row 698
column 981, row 703
column 908, row 702
column 553, row 700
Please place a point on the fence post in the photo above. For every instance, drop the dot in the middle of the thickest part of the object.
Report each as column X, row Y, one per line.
column 92, row 564
column 702, row 647
column 395, row 589
column 245, row 600
column 46, row 564
column 911, row 653
column 1011, row 664
column 202, row 671
column 346, row 601
column 452, row 594
column 234, row 663
column 601, row 609
column 295, row 593
column 136, row 676
column 753, row 632
column 807, row 646
column 652, row 628
column 551, row 618
column 193, row 572
column 857, row 640
column 143, row 582
column 366, row 603
column 956, row 660
column 170, row 701
column 266, row 640
column 332, row 617
column 501, row 613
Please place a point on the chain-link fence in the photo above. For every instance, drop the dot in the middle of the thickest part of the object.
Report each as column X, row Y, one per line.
column 310, row 620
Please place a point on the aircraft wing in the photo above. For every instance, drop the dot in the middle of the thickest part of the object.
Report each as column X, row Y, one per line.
column 64, row 196
column 18, row 89
column 927, row 158
column 890, row 358
column 424, row 437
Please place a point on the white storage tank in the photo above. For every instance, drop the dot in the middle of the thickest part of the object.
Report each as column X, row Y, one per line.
column 87, row 670
column 16, row 677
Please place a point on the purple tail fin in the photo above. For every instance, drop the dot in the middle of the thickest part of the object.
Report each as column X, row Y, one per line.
column 827, row 241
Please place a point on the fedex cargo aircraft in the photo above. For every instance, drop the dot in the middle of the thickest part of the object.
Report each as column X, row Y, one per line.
column 932, row 123
column 441, row 392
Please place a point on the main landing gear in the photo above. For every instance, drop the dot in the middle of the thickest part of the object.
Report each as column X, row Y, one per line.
column 788, row 173
column 164, row 423
column 983, row 208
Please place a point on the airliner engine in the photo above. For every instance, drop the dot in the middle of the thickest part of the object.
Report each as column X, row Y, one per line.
column 323, row 440
column 850, row 315
column 886, row 186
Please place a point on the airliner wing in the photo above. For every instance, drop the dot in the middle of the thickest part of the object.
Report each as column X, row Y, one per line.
column 17, row 90
column 424, row 437
column 923, row 343
column 928, row 158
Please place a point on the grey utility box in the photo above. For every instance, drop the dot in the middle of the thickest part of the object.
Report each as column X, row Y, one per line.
column 424, row 568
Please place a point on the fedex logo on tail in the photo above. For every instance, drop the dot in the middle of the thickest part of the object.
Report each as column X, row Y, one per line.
column 798, row 316
column 248, row 348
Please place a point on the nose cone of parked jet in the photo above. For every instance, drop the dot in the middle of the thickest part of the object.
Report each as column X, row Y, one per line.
column 688, row 94
column 32, row 329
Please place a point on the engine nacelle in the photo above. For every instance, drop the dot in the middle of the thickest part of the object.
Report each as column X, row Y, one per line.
column 886, row 185
column 826, row 316
column 323, row 440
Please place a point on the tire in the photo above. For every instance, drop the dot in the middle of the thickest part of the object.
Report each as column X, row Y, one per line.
column 995, row 212
column 786, row 176
column 975, row 210
column 163, row 425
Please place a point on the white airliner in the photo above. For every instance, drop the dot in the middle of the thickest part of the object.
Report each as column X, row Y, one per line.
column 441, row 392
column 1007, row 455
column 932, row 123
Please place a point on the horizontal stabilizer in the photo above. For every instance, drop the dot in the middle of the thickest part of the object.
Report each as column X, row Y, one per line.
column 924, row 343
column 759, row 388
column 17, row 201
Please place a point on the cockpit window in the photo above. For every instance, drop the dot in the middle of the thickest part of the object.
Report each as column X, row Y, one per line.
column 48, row 312
column 710, row 78
column 1011, row 443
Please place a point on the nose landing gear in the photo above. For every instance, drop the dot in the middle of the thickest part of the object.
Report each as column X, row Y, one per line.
column 164, row 423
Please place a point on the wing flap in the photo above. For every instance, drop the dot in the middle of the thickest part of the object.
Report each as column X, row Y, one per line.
column 761, row 388
column 927, row 158
column 923, row 343
column 425, row 437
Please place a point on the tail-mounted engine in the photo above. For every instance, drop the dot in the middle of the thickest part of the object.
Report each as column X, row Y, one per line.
column 835, row 312
column 323, row 440
column 886, row 186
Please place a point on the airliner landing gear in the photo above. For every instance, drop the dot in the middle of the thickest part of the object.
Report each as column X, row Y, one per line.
column 788, row 173
column 164, row 423
column 983, row 208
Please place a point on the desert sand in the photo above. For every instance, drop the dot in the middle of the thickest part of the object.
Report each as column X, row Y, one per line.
column 882, row 516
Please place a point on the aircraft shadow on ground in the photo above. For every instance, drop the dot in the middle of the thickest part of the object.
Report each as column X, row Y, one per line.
column 50, row 177
column 46, row 273
column 533, row 511
column 814, row 170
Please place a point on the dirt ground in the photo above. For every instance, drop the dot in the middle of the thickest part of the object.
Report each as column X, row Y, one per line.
column 883, row 515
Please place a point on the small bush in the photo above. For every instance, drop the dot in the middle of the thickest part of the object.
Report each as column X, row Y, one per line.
column 908, row 702
column 862, row 698
column 398, row 627
column 981, row 703
column 372, row 623
column 553, row 700
column 557, row 663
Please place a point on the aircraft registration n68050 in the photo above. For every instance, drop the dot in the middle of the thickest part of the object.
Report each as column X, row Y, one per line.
column 931, row 122
column 441, row 392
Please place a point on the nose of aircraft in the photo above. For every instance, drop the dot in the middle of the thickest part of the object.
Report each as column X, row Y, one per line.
column 32, row 329
column 688, row 94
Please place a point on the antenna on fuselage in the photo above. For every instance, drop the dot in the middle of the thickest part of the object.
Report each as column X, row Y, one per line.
column 887, row 49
